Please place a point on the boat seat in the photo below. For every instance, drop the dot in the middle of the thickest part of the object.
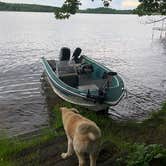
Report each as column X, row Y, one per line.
column 64, row 54
column 87, row 87
column 67, row 73
column 70, row 79
column 85, row 69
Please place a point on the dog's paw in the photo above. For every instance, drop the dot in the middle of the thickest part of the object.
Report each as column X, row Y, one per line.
column 64, row 155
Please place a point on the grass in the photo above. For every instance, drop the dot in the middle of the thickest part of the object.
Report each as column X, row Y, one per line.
column 11, row 147
column 152, row 130
column 142, row 142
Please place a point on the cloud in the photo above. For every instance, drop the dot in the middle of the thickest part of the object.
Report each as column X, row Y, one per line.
column 91, row 4
column 129, row 4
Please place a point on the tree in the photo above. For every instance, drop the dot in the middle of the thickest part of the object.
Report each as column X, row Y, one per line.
column 71, row 6
column 151, row 7
column 146, row 7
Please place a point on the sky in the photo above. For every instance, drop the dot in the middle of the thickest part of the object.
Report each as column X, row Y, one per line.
column 116, row 4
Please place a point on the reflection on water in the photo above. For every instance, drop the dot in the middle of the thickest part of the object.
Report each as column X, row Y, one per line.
column 22, row 107
column 118, row 41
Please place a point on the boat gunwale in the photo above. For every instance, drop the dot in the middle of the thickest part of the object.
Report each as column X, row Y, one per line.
column 71, row 101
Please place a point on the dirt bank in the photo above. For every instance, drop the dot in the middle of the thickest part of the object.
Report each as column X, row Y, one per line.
column 48, row 154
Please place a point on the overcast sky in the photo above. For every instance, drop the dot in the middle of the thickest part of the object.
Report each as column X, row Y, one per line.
column 117, row 4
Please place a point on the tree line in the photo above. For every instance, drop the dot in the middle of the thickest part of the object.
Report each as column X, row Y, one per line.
column 41, row 8
column 103, row 10
column 26, row 7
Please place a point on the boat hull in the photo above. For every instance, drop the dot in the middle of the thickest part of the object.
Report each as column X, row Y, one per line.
column 78, row 97
column 78, row 101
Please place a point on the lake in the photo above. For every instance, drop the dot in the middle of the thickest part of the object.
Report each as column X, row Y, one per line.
column 120, row 42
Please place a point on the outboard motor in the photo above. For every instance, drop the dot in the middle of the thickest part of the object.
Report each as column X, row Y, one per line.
column 76, row 55
column 64, row 54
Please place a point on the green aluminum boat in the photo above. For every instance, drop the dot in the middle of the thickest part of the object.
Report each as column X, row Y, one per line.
column 83, row 81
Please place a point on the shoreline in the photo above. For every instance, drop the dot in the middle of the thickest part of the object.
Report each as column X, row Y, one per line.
column 131, row 14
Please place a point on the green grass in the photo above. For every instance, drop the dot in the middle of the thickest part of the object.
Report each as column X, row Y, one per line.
column 142, row 142
column 152, row 130
column 11, row 147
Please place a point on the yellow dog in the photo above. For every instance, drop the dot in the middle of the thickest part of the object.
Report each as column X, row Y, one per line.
column 83, row 136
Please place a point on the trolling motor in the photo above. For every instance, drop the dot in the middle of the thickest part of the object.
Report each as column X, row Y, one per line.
column 102, row 90
column 109, row 75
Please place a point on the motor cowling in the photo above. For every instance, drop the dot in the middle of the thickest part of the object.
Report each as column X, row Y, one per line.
column 76, row 55
column 64, row 54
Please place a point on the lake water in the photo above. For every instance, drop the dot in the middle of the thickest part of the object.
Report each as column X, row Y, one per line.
column 120, row 42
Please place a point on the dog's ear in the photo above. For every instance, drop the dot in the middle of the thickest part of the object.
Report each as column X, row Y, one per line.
column 74, row 110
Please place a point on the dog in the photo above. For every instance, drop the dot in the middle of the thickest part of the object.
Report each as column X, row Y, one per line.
column 83, row 136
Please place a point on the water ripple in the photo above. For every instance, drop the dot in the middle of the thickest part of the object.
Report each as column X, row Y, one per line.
column 120, row 42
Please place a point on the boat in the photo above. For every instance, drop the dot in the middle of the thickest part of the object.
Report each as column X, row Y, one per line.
column 83, row 81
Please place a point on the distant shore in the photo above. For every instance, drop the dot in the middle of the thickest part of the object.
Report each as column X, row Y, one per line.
column 41, row 8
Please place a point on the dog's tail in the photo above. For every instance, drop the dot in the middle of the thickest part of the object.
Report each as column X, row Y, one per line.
column 92, row 131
